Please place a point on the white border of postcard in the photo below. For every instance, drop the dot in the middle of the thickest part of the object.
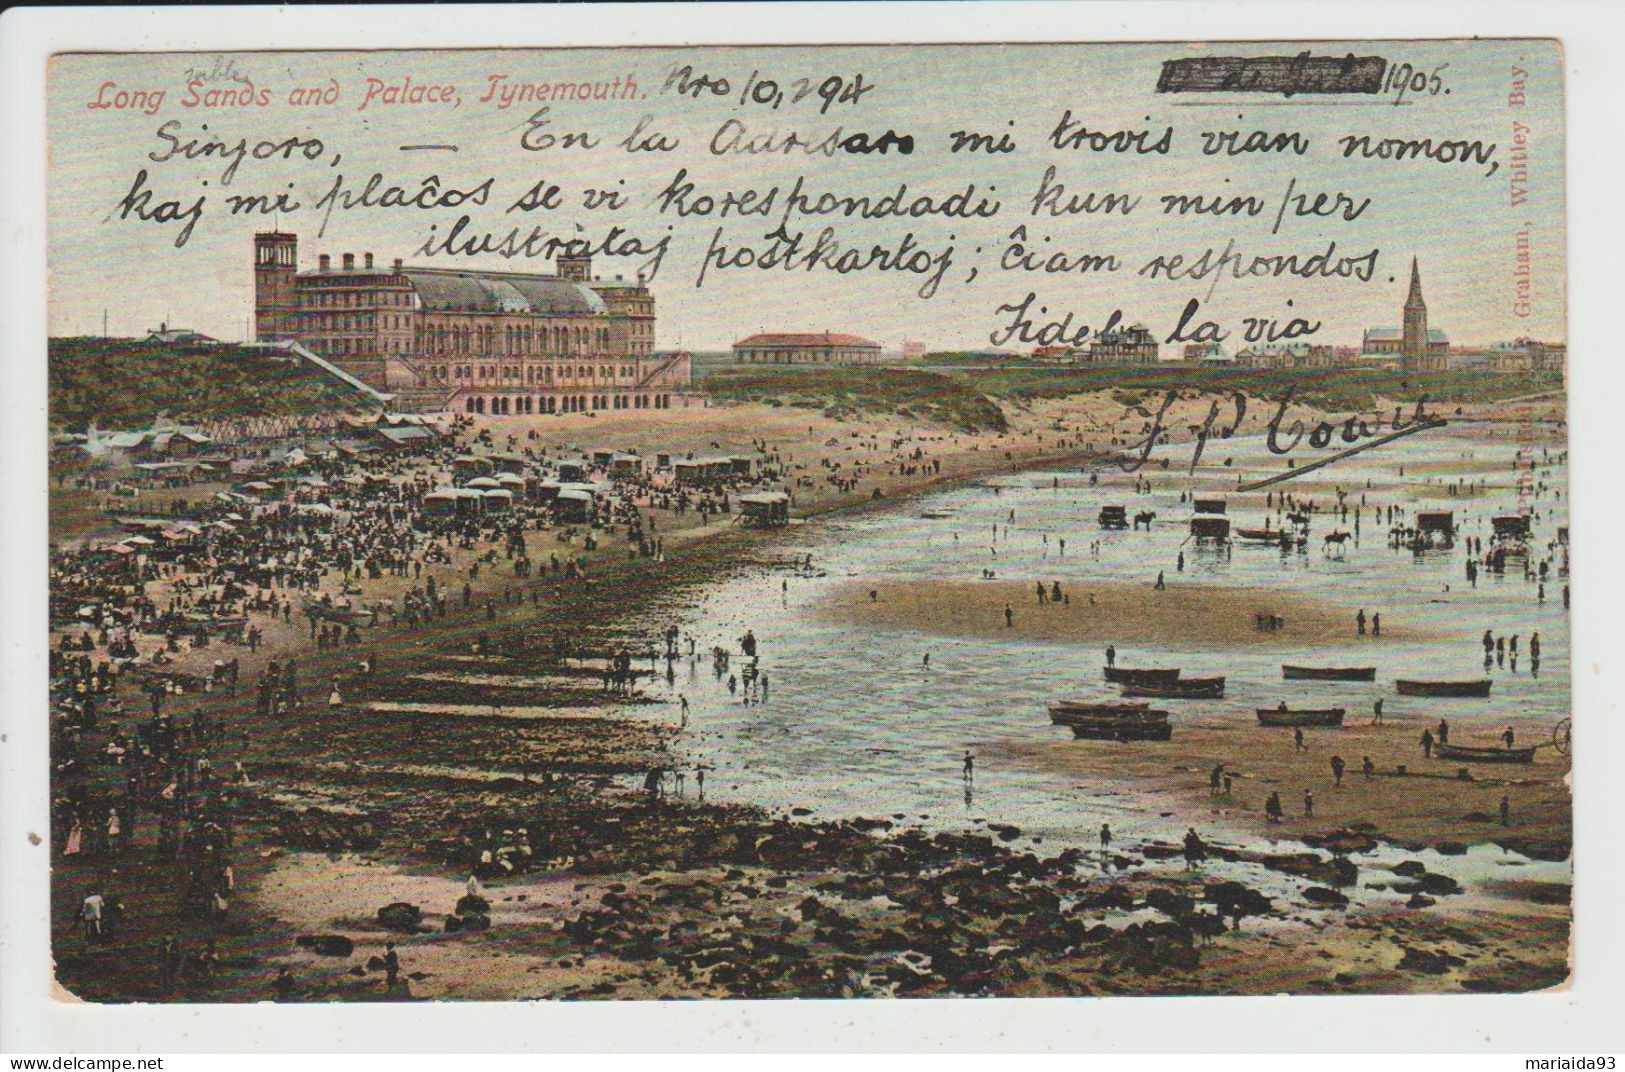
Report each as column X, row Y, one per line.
column 1583, row 1018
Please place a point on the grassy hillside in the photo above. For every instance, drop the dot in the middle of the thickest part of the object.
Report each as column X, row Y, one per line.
column 123, row 383
column 970, row 397
column 840, row 391
column 1334, row 389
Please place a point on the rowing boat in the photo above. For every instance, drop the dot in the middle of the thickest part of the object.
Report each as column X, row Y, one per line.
column 1275, row 716
column 1069, row 714
column 1268, row 536
column 1464, row 754
column 1124, row 676
column 1329, row 673
column 1112, row 730
column 1443, row 688
column 1190, row 688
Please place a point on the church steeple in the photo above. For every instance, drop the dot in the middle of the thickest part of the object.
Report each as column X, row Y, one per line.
column 1414, row 300
column 1415, row 348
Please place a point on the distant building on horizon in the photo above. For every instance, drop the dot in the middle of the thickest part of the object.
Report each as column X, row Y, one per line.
column 165, row 333
column 1289, row 355
column 913, row 349
column 822, row 348
column 1417, row 346
column 1527, row 355
column 1208, row 353
column 1133, row 345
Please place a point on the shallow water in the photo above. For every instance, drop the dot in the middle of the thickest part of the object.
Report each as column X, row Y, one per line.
column 855, row 726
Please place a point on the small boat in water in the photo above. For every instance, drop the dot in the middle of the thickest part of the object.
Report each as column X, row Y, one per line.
column 1463, row 754
column 1278, row 537
column 1190, row 688
column 1118, row 730
column 936, row 514
column 1329, row 673
column 1279, row 716
column 1067, row 713
column 1123, row 676
column 1443, row 688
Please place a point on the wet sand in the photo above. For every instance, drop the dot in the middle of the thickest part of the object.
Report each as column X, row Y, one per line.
column 402, row 772
column 1186, row 615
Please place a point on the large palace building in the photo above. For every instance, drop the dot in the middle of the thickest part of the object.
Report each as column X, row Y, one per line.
column 479, row 342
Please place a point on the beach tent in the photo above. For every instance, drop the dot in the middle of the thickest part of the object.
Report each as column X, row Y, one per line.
column 573, row 505
column 764, row 509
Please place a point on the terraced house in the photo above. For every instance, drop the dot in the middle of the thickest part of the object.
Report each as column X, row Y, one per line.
column 473, row 341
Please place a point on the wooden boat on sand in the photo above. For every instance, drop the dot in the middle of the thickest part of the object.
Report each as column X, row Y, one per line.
column 1325, row 717
column 1124, row 676
column 1066, row 714
column 1464, row 754
column 1115, row 730
column 1190, row 688
column 1443, row 688
column 1329, row 673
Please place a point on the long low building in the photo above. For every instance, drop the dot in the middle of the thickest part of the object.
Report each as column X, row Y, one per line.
column 824, row 348
column 474, row 341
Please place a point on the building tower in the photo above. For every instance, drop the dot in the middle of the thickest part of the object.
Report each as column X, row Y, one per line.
column 1415, row 347
column 577, row 268
column 276, row 263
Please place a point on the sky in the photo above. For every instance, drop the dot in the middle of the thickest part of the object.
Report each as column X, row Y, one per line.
column 1460, row 224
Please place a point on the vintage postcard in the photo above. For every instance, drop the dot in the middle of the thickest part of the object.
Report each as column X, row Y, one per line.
column 809, row 522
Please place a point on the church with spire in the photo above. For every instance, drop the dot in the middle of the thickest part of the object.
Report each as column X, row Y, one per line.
column 1417, row 346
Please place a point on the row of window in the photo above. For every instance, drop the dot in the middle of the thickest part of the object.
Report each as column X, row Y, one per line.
column 467, row 339
column 529, row 373
column 502, row 405
column 365, row 322
column 349, row 299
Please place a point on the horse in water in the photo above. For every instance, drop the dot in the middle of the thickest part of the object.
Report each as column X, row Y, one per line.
column 1145, row 517
column 1335, row 540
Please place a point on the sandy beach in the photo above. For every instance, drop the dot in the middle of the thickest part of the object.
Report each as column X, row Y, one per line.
column 442, row 742
column 1184, row 615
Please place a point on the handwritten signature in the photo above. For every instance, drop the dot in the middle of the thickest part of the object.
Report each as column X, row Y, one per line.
column 1356, row 432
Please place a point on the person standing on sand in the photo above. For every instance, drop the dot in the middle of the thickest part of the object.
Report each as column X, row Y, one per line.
column 1337, row 771
column 1444, row 732
column 1195, row 849
column 1297, row 739
column 392, row 966
column 970, row 766
column 1009, row 616
column 1160, row 585
column 1427, row 744
column 1359, row 622
column 1111, row 655
column 1105, row 842
column 1376, row 712
column 1213, row 780
column 1272, row 808
column 1308, row 803
column 1506, row 811
column 1376, row 624
column 925, row 663
column 1368, row 768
